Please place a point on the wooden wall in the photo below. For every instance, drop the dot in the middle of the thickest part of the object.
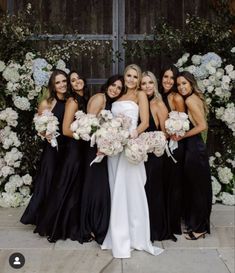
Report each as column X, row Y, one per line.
column 95, row 17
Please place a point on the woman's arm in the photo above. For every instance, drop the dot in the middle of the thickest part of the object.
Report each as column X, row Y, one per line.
column 179, row 103
column 144, row 112
column 96, row 104
column 71, row 107
column 198, row 116
column 162, row 114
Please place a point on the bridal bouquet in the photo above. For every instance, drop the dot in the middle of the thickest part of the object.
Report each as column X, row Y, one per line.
column 111, row 136
column 155, row 142
column 46, row 124
column 177, row 124
column 136, row 150
column 84, row 125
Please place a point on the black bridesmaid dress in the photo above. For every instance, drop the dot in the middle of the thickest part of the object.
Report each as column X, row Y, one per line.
column 197, row 185
column 49, row 160
column 154, row 188
column 61, row 213
column 96, row 200
column 173, row 184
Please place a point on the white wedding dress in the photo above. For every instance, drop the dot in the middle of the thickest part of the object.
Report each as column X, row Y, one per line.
column 129, row 221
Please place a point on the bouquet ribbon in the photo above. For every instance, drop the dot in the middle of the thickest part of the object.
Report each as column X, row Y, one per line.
column 98, row 159
column 173, row 145
column 169, row 154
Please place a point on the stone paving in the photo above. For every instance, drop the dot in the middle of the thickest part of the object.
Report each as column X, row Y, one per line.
column 214, row 254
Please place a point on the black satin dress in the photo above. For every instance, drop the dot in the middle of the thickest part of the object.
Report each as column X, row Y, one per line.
column 154, row 188
column 96, row 200
column 50, row 158
column 197, row 185
column 61, row 214
column 173, row 183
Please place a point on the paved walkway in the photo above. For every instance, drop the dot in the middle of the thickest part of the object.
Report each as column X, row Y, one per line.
column 214, row 254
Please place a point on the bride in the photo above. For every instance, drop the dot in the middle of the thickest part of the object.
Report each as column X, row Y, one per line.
column 129, row 221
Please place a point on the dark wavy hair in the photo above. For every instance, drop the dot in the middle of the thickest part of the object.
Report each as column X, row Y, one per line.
column 195, row 89
column 175, row 72
column 110, row 81
column 51, row 84
column 82, row 100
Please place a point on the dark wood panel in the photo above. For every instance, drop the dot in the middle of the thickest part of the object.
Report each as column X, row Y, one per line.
column 3, row 5
column 70, row 16
column 142, row 15
column 95, row 65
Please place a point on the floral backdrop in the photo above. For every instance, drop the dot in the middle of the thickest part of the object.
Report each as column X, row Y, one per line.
column 24, row 74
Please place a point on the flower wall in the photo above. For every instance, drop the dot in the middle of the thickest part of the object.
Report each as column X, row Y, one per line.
column 24, row 74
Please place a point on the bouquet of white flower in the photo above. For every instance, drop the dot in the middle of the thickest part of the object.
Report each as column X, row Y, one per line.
column 177, row 124
column 84, row 125
column 155, row 142
column 111, row 136
column 46, row 125
column 136, row 150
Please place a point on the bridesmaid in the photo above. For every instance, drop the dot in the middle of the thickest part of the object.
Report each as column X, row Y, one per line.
column 62, row 209
column 50, row 157
column 173, row 172
column 196, row 166
column 95, row 204
column 154, row 166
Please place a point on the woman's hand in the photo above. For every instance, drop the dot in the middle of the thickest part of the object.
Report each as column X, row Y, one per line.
column 176, row 138
column 134, row 134
column 48, row 137
column 99, row 153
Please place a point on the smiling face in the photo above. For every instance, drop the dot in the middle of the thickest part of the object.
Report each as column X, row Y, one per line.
column 131, row 78
column 147, row 85
column 77, row 84
column 114, row 89
column 168, row 81
column 183, row 85
column 60, row 84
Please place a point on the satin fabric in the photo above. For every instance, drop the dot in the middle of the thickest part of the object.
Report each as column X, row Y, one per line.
column 129, row 222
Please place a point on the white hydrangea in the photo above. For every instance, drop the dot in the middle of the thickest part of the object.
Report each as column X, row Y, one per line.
column 229, row 68
column 6, row 171
column 196, row 59
column 17, row 180
column 211, row 161
column 27, row 179
column 11, row 73
column 24, row 190
column 13, row 157
column 21, row 103
column 10, row 187
column 2, row 66
column 233, row 50
column 10, row 116
column 227, row 115
column 12, row 200
column 225, row 175
column 227, row 198
column 232, row 75
column 8, row 138
column 216, row 186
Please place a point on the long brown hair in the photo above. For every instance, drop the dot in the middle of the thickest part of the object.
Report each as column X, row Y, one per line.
column 191, row 79
column 51, row 84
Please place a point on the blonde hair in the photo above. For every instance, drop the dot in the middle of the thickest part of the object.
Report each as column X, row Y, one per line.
column 154, row 79
column 137, row 69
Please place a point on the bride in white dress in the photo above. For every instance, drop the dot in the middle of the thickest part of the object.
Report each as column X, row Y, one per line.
column 129, row 221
